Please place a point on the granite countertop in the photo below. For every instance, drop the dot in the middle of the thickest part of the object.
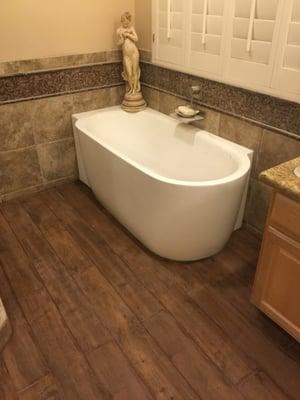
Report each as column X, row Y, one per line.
column 283, row 179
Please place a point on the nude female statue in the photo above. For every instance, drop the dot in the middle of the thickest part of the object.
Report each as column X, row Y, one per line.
column 127, row 38
column 131, row 56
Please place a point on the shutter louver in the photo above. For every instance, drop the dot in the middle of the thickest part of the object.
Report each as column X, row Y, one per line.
column 287, row 71
column 255, row 27
column 206, row 26
column 170, row 46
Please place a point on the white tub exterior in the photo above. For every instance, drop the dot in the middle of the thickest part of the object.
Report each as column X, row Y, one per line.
column 180, row 190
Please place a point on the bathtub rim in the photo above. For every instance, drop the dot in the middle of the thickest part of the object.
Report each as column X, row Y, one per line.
column 240, row 153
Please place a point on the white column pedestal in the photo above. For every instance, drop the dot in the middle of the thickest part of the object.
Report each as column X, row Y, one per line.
column 5, row 327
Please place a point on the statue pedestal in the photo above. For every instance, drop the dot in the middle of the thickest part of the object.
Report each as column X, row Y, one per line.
column 134, row 102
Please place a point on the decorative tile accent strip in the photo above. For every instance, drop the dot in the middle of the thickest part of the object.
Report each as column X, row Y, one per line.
column 264, row 110
column 39, row 64
column 49, row 83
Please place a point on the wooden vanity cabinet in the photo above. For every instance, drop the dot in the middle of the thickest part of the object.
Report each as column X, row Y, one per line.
column 276, row 289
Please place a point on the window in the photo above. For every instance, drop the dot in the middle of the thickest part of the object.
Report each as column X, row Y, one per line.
column 249, row 43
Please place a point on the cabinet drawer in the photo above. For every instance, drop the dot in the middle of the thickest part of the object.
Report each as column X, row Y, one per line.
column 276, row 289
column 285, row 216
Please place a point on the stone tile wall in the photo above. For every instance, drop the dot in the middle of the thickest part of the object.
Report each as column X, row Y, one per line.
column 36, row 140
column 37, row 99
column 270, row 147
column 37, row 147
column 266, row 111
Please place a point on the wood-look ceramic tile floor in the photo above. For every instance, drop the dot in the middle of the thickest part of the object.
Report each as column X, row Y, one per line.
column 96, row 316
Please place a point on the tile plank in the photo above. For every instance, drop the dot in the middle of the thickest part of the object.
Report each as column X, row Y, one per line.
column 104, row 318
column 44, row 389
column 22, row 357
column 213, row 341
column 7, row 389
column 15, row 262
column 73, row 305
column 68, row 365
column 116, row 375
column 203, row 376
column 155, row 369
column 259, row 386
column 119, row 319
column 208, row 335
column 76, row 195
column 134, row 294
column 282, row 369
column 197, row 276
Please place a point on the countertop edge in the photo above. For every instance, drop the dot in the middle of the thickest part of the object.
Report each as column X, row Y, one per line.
column 282, row 178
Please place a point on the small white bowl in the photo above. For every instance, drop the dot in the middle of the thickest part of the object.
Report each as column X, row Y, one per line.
column 186, row 112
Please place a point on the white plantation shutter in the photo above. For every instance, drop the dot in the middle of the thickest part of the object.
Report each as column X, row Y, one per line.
column 205, row 40
column 254, row 32
column 250, row 43
column 170, row 31
column 287, row 67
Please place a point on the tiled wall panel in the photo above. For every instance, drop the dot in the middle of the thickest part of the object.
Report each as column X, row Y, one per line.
column 270, row 148
column 37, row 146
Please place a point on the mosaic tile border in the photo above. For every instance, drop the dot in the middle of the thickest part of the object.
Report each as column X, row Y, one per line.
column 263, row 110
column 30, row 79
column 62, row 81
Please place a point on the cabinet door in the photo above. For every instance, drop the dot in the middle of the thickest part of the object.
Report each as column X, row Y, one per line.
column 170, row 31
column 277, row 284
column 206, row 39
column 287, row 66
column 253, row 37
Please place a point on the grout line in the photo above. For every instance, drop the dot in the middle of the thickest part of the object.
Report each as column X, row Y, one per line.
column 31, row 190
column 36, row 145
column 252, row 373
column 63, row 93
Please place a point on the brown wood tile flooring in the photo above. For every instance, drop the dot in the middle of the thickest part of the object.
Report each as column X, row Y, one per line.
column 96, row 316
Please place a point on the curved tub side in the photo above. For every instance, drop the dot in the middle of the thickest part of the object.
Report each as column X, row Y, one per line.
column 242, row 208
column 80, row 161
column 174, row 221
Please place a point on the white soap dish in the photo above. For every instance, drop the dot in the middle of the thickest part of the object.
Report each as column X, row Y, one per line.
column 186, row 112
column 185, row 120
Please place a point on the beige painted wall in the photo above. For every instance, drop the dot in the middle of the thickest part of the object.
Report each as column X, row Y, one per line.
column 38, row 28
column 143, row 22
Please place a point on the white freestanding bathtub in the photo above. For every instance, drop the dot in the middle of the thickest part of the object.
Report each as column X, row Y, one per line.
column 180, row 190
